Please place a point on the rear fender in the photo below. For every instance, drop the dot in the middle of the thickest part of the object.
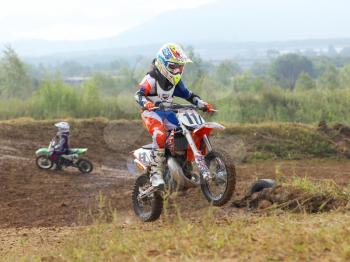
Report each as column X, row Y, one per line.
column 78, row 151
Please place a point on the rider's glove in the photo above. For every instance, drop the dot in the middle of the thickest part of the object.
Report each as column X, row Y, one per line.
column 208, row 108
column 149, row 105
column 159, row 104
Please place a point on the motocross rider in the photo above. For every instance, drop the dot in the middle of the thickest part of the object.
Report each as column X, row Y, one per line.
column 160, row 85
column 62, row 147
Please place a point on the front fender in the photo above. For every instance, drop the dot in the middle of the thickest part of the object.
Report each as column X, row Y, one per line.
column 198, row 134
column 213, row 125
column 207, row 128
column 44, row 151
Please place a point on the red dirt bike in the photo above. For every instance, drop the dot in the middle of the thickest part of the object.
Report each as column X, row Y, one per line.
column 213, row 171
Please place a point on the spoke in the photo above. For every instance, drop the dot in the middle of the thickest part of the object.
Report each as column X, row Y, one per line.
column 145, row 203
column 218, row 185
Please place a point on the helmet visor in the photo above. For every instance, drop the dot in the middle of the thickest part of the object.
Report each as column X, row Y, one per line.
column 175, row 68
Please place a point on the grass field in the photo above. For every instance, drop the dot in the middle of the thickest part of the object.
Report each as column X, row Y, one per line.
column 243, row 237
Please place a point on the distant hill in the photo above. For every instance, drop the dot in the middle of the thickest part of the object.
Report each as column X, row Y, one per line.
column 218, row 27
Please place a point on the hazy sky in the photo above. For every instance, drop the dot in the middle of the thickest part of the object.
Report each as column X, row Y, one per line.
column 79, row 19
column 245, row 20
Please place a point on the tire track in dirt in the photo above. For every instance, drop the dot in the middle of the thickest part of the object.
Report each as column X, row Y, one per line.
column 33, row 198
column 30, row 197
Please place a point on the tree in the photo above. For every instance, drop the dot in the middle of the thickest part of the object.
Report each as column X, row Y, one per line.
column 305, row 82
column 90, row 100
column 329, row 79
column 247, row 82
column 344, row 76
column 345, row 51
column 73, row 68
column 226, row 70
column 332, row 51
column 54, row 98
column 259, row 69
column 320, row 65
column 14, row 78
column 287, row 68
column 194, row 72
column 105, row 83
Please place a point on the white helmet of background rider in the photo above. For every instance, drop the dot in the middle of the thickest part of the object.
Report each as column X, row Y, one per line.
column 62, row 127
column 170, row 61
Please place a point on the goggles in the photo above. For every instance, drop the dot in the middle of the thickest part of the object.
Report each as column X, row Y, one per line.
column 175, row 68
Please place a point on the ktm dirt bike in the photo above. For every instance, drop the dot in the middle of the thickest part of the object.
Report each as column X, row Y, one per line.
column 73, row 158
column 191, row 161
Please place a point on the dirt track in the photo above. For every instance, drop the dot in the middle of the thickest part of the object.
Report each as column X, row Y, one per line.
column 33, row 198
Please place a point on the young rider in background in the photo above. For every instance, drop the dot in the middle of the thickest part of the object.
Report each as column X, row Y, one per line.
column 62, row 143
column 160, row 85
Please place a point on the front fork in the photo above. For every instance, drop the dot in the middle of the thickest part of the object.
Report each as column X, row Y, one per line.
column 198, row 157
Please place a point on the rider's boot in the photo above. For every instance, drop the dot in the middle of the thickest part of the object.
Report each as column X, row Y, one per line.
column 59, row 163
column 157, row 168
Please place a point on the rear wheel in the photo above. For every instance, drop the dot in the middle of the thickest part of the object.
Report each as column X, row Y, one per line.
column 219, row 190
column 85, row 166
column 149, row 208
column 44, row 162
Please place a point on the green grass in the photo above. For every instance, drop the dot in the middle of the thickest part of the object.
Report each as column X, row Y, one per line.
column 243, row 238
column 211, row 235
column 55, row 99
column 282, row 140
column 322, row 187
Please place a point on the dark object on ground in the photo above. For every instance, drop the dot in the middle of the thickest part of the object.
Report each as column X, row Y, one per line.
column 256, row 187
column 261, row 184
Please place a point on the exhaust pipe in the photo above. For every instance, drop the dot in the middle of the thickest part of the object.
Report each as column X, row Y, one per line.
column 177, row 174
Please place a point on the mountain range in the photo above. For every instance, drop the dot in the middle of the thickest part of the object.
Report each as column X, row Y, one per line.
column 214, row 28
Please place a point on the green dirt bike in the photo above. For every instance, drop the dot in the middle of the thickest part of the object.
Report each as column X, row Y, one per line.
column 73, row 158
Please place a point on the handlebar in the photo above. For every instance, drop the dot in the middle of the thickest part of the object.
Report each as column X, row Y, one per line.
column 52, row 142
column 176, row 107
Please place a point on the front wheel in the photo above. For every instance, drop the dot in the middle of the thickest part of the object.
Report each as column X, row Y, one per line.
column 85, row 166
column 149, row 208
column 220, row 188
column 44, row 162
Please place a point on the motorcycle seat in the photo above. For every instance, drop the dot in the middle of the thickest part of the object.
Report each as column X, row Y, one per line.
column 148, row 147
column 72, row 151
